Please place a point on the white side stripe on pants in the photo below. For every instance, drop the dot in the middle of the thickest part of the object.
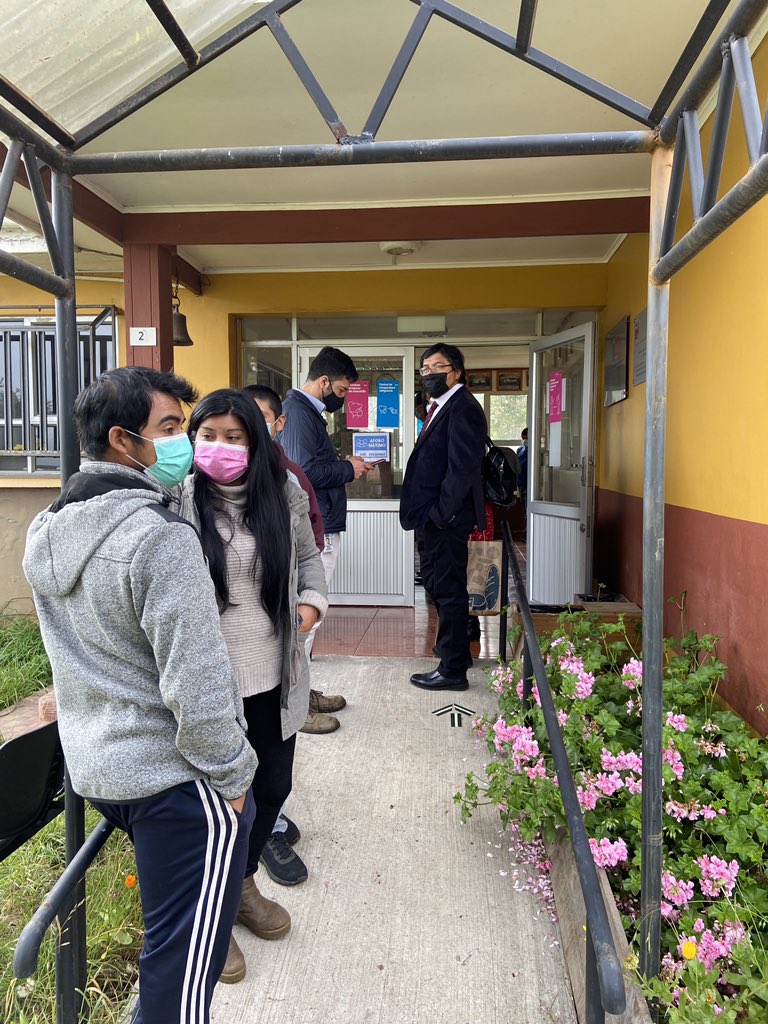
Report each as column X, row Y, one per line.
column 222, row 835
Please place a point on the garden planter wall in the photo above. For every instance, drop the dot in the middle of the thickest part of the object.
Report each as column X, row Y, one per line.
column 572, row 918
column 545, row 617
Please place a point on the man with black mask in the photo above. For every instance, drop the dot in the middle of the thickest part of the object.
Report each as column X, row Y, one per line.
column 442, row 500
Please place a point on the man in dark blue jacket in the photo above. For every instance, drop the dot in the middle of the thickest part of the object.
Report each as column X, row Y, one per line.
column 442, row 500
column 305, row 440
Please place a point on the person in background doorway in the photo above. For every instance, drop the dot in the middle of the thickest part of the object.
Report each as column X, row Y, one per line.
column 150, row 717
column 442, row 500
column 522, row 473
column 305, row 439
column 270, row 584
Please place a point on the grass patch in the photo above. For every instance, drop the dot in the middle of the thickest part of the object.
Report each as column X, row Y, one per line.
column 24, row 665
column 114, row 927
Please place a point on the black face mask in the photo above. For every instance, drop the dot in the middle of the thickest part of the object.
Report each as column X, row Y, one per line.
column 332, row 402
column 435, row 384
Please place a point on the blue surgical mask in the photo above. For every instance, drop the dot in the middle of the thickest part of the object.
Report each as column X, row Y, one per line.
column 174, row 458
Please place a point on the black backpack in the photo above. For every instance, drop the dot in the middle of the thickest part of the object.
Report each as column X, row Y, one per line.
column 499, row 476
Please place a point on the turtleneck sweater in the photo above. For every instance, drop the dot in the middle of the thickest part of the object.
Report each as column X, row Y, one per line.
column 255, row 650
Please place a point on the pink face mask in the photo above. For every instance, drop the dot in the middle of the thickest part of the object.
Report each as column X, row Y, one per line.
column 222, row 462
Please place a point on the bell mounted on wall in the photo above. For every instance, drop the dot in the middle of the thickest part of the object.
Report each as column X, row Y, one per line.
column 180, row 333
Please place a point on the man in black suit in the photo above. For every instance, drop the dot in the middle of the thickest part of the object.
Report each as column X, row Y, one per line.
column 442, row 500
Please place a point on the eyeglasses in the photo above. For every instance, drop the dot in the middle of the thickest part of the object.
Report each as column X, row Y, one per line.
column 424, row 371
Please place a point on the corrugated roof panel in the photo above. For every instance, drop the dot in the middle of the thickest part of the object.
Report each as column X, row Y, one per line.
column 79, row 59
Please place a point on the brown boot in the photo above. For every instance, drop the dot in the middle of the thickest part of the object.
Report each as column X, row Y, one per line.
column 234, row 968
column 323, row 704
column 263, row 917
column 317, row 723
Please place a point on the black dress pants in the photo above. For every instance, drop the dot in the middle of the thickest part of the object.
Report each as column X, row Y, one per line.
column 443, row 555
column 274, row 775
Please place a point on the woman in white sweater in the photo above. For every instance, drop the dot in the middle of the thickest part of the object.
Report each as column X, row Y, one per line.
column 257, row 537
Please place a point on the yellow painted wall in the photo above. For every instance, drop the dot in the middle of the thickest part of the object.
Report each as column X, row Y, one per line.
column 406, row 291
column 718, row 361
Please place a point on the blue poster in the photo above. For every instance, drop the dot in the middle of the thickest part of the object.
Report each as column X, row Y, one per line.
column 387, row 403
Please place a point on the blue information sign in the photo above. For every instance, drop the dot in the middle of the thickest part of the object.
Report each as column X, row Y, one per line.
column 388, row 403
column 371, row 447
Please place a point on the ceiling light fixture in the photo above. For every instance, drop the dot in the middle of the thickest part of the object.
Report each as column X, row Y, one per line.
column 399, row 248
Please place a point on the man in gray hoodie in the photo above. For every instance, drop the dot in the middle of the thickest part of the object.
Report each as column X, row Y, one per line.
column 150, row 716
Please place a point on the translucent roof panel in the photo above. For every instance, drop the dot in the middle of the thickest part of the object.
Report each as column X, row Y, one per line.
column 78, row 59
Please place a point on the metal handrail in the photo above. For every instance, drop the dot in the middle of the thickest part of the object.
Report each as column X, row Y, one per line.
column 56, row 903
column 604, row 989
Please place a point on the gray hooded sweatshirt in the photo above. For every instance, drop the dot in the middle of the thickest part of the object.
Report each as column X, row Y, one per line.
column 146, row 696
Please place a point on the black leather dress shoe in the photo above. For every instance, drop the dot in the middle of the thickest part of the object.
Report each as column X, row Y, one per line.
column 437, row 681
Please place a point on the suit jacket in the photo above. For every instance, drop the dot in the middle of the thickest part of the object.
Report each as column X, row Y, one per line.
column 443, row 480
column 305, row 440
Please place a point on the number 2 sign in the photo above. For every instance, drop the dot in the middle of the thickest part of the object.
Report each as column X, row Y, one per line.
column 143, row 336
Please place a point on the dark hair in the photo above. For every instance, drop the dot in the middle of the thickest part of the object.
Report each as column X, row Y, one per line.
column 333, row 364
column 122, row 398
column 267, row 395
column 452, row 354
column 266, row 512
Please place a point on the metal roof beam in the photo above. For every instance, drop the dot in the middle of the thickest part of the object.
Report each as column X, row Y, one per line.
column 36, row 114
column 525, row 23
column 543, row 61
column 742, row 197
column 706, row 26
column 306, row 77
column 744, row 17
column 178, row 73
column 8, row 175
column 412, row 151
column 175, row 32
column 397, row 71
column 41, row 204
column 17, row 129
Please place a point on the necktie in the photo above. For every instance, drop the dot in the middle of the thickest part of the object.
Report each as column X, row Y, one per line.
column 433, row 409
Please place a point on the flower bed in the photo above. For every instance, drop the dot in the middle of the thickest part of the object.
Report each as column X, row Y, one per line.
column 714, row 900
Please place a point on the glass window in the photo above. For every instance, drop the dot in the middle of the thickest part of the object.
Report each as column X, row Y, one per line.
column 386, row 479
column 557, row 449
column 508, row 417
column 268, row 365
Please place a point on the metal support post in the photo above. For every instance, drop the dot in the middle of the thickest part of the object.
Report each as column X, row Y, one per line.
column 70, row 950
column 66, row 326
column 653, row 578
column 504, row 604
column 593, row 1006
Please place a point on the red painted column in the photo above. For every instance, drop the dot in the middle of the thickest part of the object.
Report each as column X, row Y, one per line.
column 148, row 292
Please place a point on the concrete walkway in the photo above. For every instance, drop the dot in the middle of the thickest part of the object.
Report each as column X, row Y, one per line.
column 407, row 916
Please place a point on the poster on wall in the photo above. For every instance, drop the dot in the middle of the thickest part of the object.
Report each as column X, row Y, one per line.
column 555, row 395
column 638, row 358
column 388, row 403
column 357, row 404
column 616, row 344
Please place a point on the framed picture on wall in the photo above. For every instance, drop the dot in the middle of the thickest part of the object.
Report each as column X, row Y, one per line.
column 480, row 380
column 511, row 380
column 616, row 344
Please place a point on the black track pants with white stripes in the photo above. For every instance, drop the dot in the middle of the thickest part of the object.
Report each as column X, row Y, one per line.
column 191, row 848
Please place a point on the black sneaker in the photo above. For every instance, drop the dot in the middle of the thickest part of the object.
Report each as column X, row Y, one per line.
column 282, row 863
column 291, row 835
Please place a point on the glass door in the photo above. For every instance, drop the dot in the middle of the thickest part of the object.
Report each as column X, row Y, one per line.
column 375, row 563
column 560, row 461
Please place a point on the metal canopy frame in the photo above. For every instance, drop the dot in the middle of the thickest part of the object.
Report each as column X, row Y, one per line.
column 677, row 133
